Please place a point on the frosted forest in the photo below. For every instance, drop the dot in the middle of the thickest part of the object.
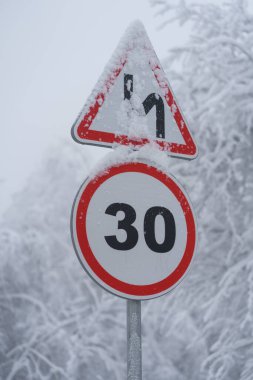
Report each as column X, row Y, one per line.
column 56, row 324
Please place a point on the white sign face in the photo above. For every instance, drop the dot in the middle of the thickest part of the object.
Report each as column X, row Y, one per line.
column 127, row 116
column 133, row 104
column 133, row 230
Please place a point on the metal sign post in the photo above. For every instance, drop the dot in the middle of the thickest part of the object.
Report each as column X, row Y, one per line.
column 134, row 362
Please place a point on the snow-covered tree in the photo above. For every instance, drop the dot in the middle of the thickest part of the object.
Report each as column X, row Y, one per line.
column 55, row 323
column 215, row 86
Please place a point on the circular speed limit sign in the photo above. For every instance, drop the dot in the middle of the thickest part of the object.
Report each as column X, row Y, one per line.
column 134, row 230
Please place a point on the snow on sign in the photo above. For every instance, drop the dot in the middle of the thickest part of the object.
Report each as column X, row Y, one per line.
column 134, row 230
column 133, row 104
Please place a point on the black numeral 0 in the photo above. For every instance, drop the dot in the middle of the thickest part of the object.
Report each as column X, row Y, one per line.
column 149, row 228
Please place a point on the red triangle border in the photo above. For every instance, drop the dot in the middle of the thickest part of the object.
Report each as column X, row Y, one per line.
column 82, row 134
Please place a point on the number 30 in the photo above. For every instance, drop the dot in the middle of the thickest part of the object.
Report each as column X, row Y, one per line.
column 148, row 226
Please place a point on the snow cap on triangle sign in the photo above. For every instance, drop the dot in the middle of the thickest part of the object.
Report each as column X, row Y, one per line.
column 132, row 103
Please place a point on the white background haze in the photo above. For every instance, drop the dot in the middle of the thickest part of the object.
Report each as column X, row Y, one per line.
column 52, row 53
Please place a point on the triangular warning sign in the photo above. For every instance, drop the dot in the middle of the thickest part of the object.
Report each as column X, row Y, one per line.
column 132, row 103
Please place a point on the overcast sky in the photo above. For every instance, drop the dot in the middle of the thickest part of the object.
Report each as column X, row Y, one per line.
column 51, row 55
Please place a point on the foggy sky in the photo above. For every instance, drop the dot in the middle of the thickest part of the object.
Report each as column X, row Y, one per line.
column 51, row 55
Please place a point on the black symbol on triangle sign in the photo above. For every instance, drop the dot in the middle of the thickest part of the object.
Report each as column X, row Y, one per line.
column 150, row 101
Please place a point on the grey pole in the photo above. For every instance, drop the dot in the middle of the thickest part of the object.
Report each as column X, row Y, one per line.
column 134, row 365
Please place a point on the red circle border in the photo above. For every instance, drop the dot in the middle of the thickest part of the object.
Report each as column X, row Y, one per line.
column 79, row 219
